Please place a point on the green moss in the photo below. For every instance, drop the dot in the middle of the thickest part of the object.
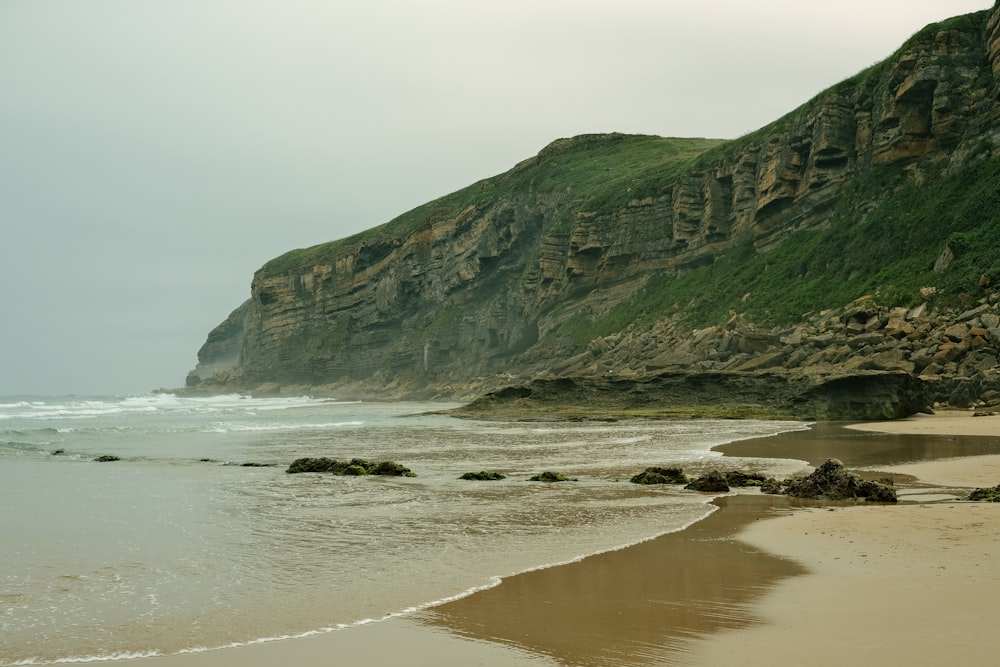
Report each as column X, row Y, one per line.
column 484, row 476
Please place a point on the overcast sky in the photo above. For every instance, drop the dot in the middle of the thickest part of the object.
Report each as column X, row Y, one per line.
column 155, row 153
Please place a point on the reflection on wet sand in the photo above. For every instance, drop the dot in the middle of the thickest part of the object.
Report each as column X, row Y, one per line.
column 860, row 448
column 637, row 606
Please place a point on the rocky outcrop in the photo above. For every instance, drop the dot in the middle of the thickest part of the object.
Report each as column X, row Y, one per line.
column 660, row 475
column 354, row 467
column 861, row 395
column 478, row 289
column 831, row 481
column 955, row 356
column 713, row 482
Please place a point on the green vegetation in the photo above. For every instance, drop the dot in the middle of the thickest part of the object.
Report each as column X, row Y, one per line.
column 888, row 251
column 599, row 173
column 354, row 467
column 986, row 495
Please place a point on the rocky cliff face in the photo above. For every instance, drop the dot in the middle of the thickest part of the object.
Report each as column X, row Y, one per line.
column 467, row 292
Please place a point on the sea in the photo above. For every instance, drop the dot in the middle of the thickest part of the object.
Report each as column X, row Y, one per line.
column 196, row 537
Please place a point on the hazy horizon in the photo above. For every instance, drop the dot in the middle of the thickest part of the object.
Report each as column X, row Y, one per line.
column 156, row 154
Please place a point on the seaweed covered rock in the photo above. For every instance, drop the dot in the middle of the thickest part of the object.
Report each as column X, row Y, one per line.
column 551, row 477
column 771, row 485
column 107, row 458
column 713, row 482
column 352, row 467
column 738, row 478
column 658, row 475
column 484, row 476
column 831, row 481
column 986, row 495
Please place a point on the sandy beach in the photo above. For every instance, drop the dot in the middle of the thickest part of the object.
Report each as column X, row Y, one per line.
column 911, row 584
column 762, row 579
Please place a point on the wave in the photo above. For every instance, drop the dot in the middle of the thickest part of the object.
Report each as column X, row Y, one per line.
column 95, row 407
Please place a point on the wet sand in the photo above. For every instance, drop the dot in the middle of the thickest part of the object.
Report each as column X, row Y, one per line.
column 762, row 579
column 911, row 584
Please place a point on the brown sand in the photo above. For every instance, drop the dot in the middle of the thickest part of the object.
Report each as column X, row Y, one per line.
column 910, row 584
column 903, row 585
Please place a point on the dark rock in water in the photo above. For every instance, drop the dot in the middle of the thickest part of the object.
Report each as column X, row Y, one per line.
column 771, row 485
column 352, row 467
column 551, row 477
column 254, row 464
column 391, row 469
column 832, row 482
column 107, row 458
column 58, row 452
column 713, row 482
column 987, row 495
column 484, row 476
column 741, row 479
column 658, row 475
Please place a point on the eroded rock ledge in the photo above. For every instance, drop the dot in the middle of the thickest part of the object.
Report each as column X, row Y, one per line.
column 862, row 395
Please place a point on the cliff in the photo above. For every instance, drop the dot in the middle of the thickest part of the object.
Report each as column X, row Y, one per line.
column 607, row 253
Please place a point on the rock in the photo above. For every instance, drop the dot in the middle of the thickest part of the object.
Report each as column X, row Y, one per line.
column 987, row 495
column 551, row 477
column 713, row 482
column 658, row 475
column 738, row 478
column 772, row 486
column 107, row 458
column 484, row 476
column 832, row 482
column 352, row 467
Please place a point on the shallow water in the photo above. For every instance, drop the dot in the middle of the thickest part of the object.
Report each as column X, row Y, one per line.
column 163, row 552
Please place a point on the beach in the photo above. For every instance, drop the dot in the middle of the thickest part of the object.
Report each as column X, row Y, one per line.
column 762, row 579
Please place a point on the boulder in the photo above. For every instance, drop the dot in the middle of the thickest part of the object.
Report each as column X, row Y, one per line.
column 713, row 482
column 986, row 495
column 551, row 477
column 484, row 476
column 772, row 486
column 107, row 458
column 742, row 479
column 353, row 467
column 832, row 482
column 658, row 475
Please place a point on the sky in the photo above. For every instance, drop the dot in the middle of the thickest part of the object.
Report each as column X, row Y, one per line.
column 154, row 154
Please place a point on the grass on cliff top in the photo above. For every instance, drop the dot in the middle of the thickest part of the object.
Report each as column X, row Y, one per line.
column 597, row 173
column 889, row 251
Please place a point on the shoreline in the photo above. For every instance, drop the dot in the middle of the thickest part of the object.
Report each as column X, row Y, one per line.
column 541, row 618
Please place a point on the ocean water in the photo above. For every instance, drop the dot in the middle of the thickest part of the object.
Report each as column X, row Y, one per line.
column 178, row 546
